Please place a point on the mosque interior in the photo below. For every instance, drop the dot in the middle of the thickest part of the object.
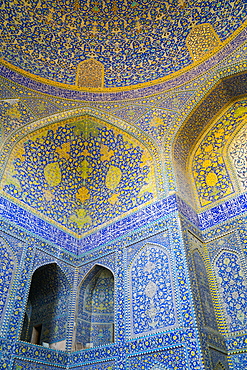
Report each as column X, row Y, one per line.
column 123, row 185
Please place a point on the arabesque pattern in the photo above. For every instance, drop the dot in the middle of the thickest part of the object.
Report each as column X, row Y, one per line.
column 109, row 174
column 211, row 176
column 136, row 41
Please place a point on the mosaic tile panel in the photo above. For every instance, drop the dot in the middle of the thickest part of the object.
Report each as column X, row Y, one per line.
column 39, row 242
column 202, row 40
column 133, row 40
column 174, row 358
column 12, row 326
column 238, row 361
column 204, row 291
column 13, row 114
column 223, row 212
column 232, row 288
column 219, row 360
column 42, row 259
column 40, row 355
column 144, row 91
column 55, row 237
column 156, row 122
column 238, row 155
column 196, row 115
column 230, row 242
column 110, row 174
column 152, row 293
column 210, row 174
column 7, row 270
column 27, row 365
column 107, row 365
column 95, row 309
column 216, row 99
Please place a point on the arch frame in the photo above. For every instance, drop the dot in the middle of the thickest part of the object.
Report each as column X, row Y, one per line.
column 129, row 311
column 86, row 281
column 223, row 89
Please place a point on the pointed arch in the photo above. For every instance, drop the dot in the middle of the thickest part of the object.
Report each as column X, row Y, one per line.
column 95, row 309
column 149, row 278
column 47, row 308
column 232, row 282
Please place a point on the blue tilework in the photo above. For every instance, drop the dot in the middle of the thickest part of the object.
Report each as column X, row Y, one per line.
column 27, row 365
column 152, row 295
column 204, row 291
column 7, row 270
column 174, row 358
column 40, row 355
column 232, row 288
column 107, row 365
column 223, row 212
column 134, row 40
column 238, row 361
column 49, row 299
column 218, row 358
column 89, row 188
column 70, row 94
column 95, row 313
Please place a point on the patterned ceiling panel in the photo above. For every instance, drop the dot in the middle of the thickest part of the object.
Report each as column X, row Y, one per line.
column 80, row 173
column 135, row 41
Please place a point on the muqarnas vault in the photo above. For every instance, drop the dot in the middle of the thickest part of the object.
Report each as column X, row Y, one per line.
column 123, row 178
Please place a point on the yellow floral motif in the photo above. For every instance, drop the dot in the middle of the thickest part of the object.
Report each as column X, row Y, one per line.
column 113, row 199
column 209, row 148
column 207, row 163
column 64, row 150
column 156, row 121
column 81, row 218
column 211, row 179
column 86, row 153
column 84, row 169
column 240, row 111
column 13, row 112
column 106, row 154
column 113, row 177
column 49, row 196
column 202, row 40
column 52, row 174
column 83, row 194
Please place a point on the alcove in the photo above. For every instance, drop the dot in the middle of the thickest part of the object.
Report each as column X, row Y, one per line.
column 47, row 309
column 95, row 309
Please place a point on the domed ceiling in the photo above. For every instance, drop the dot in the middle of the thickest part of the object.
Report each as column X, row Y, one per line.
column 135, row 41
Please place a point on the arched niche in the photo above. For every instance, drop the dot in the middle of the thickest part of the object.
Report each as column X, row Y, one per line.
column 46, row 316
column 152, row 298
column 204, row 115
column 95, row 309
column 231, row 283
column 7, row 271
